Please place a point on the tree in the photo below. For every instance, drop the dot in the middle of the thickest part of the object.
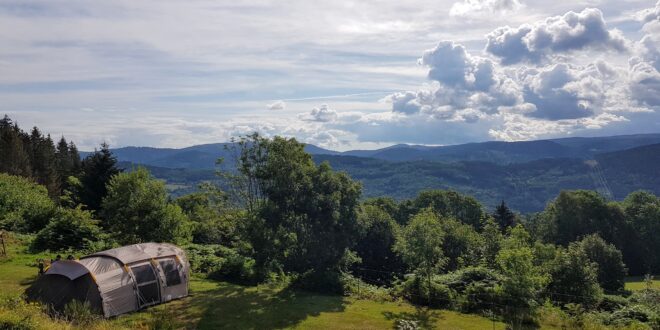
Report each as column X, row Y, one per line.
column 523, row 281
column 449, row 203
column 492, row 238
column 15, row 159
column 301, row 217
column 214, row 222
column 641, row 240
column 43, row 162
column 136, row 210
column 68, row 161
column 611, row 269
column 574, row 214
column 98, row 168
column 69, row 229
column 24, row 205
column 504, row 216
column 420, row 244
column 377, row 236
column 462, row 245
column 574, row 278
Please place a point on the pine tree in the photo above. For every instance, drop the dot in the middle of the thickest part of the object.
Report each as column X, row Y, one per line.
column 44, row 162
column 97, row 170
column 504, row 216
column 15, row 159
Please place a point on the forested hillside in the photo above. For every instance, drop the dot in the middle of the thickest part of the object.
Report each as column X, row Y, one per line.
column 526, row 186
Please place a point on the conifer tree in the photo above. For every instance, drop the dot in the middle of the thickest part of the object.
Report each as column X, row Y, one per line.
column 97, row 170
column 504, row 216
column 15, row 159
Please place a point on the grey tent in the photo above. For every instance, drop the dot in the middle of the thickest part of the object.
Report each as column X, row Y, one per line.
column 116, row 281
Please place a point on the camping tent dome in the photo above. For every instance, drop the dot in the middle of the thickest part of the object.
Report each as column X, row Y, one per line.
column 116, row 281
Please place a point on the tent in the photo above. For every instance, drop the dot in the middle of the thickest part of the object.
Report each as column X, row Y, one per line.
column 116, row 281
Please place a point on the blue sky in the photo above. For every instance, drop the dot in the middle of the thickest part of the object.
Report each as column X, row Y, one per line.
column 338, row 74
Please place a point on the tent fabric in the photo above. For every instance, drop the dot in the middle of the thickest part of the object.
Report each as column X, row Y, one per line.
column 111, row 280
column 139, row 252
column 68, row 268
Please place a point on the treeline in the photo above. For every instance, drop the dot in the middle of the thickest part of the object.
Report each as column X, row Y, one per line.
column 284, row 218
column 36, row 156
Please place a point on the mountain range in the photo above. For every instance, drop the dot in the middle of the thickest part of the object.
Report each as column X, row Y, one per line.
column 525, row 174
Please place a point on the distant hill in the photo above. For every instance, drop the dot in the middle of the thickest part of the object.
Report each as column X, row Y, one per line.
column 498, row 152
column 526, row 186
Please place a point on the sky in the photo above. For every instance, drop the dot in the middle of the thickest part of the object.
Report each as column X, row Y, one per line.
column 338, row 74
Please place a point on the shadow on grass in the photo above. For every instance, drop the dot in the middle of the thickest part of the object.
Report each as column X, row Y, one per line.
column 236, row 307
column 425, row 317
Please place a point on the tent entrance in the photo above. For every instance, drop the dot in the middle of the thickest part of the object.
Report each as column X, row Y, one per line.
column 148, row 289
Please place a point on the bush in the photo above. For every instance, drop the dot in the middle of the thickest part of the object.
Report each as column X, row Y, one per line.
column 220, row 262
column 632, row 314
column 24, row 205
column 416, row 290
column 70, row 229
column 329, row 282
column 611, row 303
column 356, row 287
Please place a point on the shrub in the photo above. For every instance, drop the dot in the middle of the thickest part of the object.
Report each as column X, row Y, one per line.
column 627, row 315
column 329, row 282
column 70, row 229
column 356, row 287
column 416, row 289
column 24, row 205
column 220, row 262
column 611, row 303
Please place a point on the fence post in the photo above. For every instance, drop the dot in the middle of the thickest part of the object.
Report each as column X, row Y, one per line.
column 2, row 239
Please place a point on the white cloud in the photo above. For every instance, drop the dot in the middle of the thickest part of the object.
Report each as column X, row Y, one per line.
column 277, row 105
column 555, row 35
column 472, row 8
column 320, row 114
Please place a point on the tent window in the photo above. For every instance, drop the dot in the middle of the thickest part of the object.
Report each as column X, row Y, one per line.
column 143, row 273
column 171, row 272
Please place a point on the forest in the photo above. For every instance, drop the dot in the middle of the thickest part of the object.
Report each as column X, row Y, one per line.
column 281, row 217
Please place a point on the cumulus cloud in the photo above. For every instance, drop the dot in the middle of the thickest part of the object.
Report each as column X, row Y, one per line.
column 277, row 105
column 320, row 114
column 536, row 42
column 471, row 8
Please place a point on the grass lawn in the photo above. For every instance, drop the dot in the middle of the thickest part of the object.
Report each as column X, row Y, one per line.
column 220, row 305
column 635, row 283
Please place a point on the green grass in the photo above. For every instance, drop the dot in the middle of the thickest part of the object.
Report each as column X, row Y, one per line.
column 220, row 305
column 636, row 283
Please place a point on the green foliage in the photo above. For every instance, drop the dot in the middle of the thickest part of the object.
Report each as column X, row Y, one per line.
column 24, row 206
column 214, row 222
column 642, row 211
column 446, row 203
column 504, row 216
column 136, row 210
column 221, row 262
column 301, row 217
column 377, row 236
column 522, row 281
column 574, row 278
column 80, row 313
column 574, row 214
column 70, row 229
column 492, row 238
column 421, row 291
column 611, row 269
column 462, row 245
column 420, row 243
column 330, row 282
column 97, row 170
